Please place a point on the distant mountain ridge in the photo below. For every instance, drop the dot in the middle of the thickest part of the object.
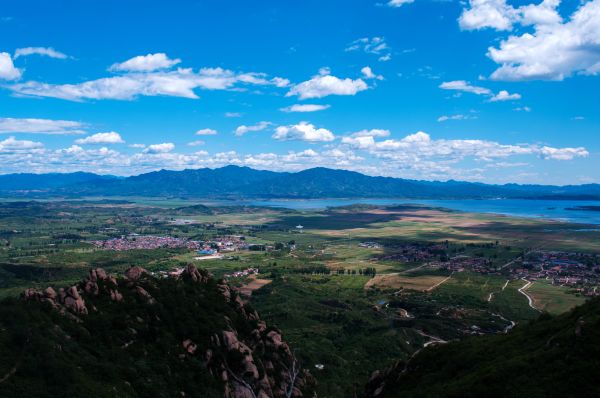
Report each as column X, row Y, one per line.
column 231, row 182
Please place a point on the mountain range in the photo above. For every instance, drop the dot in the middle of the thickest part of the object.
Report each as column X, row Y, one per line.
column 234, row 182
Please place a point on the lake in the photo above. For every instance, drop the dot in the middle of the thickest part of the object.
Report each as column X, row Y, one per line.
column 547, row 209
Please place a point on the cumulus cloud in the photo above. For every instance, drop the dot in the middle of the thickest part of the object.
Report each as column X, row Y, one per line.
column 175, row 83
column 372, row 45
column 563, row 153
column 499, row 15
column 243, row 129
column 464, row 86
column 303, row 131
column 7, row 68
column 481, row 14
column 196, row 143
column 368, row 73
column 304, row 108
column 504, row 95
column 40, row 126
column 45, row 51
column 11, row 144
column 553, row 51
column 325, row 84
column 556, row 49
column 419, row 147
column 101, row 138
column 206, row 132
column 146, row 63
column 165, row 147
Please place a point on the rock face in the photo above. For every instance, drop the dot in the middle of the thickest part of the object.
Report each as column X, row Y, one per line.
column 70, row 299
column 196, row 275
column 135, row 273
column 250, row 362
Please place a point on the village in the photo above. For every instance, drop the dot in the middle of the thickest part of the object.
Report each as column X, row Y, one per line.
column 227, row 243
column 578, row 271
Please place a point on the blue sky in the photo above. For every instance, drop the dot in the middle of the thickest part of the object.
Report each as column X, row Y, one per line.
column 485, row 90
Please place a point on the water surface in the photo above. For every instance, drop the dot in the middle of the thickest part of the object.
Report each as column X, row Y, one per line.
column 547, row 209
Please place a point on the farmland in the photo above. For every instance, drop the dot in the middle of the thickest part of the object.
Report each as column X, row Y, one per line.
column 352, row 290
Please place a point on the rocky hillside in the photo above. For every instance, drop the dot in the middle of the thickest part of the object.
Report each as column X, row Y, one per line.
column 551, row 357
column 139, row 336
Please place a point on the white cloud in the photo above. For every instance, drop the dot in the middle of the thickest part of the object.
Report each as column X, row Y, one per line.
column 420, row 147
column 101, row 138
column 11, row 144
column 146, row 63
column 165, row 147
column 372, row 133
column 504, row 95
column 243, row 129
column 359, row 142
column 563, row 153
column 325, row 84
column 206, row 132
column 554, row 51
column 196, row 143
column 499, row 15
column 280, row 82
column 137, row 146
column 464, row 86
column 233, row 114
column 398, row 3
column 176, row 83
column 368, row 73
column 303, row 131
column 40, row 126
column 494, row 14
column 45, row 51
column 7, row 68
column 372, row 45
column 304, row 108
column 455, row 117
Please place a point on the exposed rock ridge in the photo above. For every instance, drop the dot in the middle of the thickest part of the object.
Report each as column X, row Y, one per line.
column 257, row 363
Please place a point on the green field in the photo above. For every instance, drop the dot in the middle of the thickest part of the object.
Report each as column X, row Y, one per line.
column 553, row 299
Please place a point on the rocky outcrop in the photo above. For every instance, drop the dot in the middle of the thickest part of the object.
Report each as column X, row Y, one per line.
column 194, row 274
column 253, row 362
column 135, row 273
column 145, row 295
column 65, row 300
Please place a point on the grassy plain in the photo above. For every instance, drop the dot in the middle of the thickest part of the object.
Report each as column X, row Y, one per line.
column 551, row 298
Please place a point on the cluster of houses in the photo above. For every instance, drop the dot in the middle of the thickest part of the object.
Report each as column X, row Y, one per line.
column 577, row 270
column 134, row 242
column 229, row 243
column 461, row 262
column 243, row 273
